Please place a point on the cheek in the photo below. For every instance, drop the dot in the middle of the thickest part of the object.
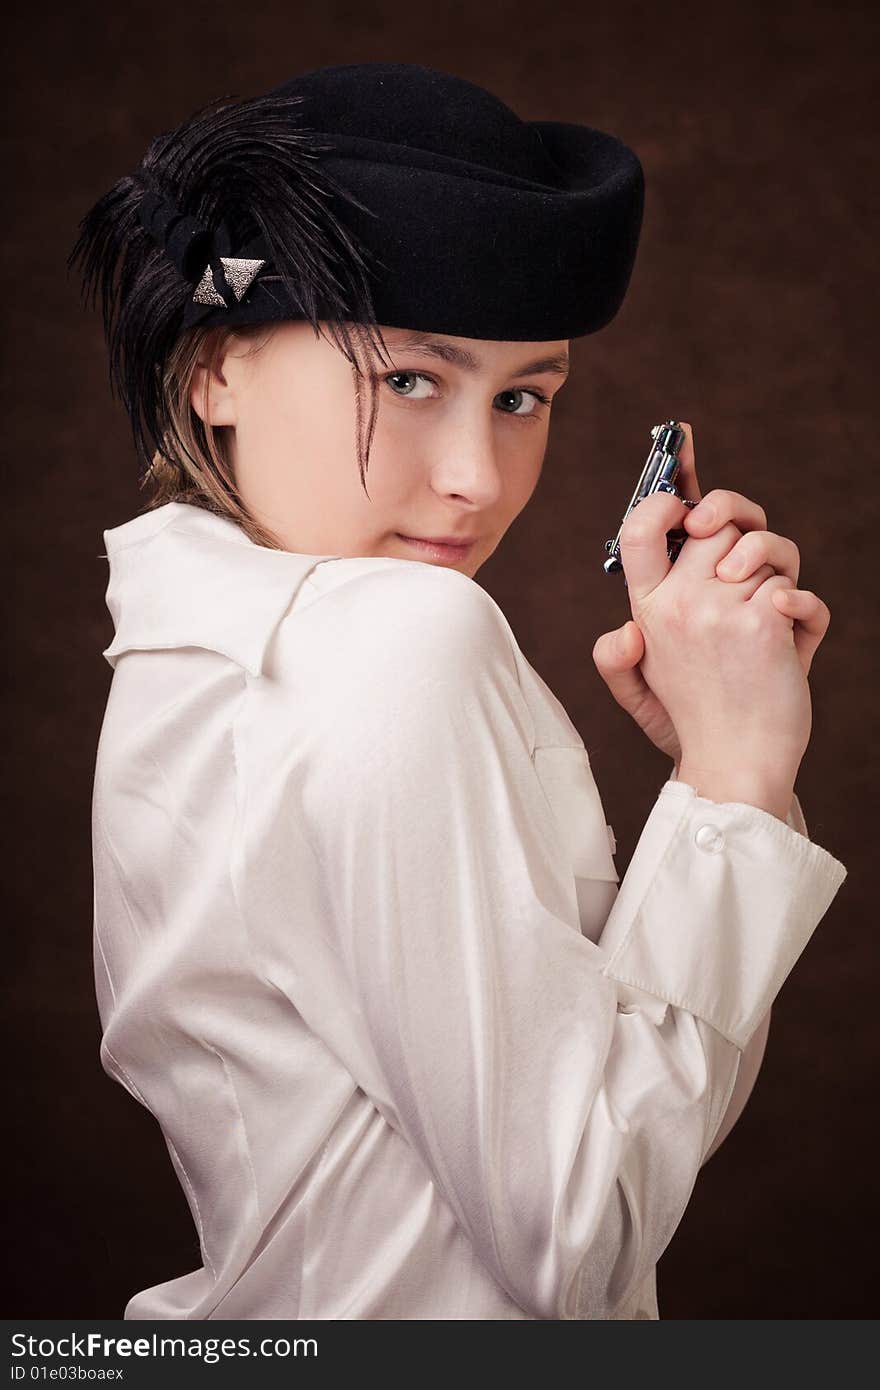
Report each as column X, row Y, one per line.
column 276, row 417
column 525, row 475
column 312, row 405
column 395, row 449
column 397, row 465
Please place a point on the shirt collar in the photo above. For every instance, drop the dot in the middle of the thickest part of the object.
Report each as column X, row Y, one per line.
column 181, row 576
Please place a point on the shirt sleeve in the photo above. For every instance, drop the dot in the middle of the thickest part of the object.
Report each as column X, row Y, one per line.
column 562, row 1124
column 747, row 1074
column 754, row 1050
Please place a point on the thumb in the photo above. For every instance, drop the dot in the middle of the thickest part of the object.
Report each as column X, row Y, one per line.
column 616, row 656
column 619, row 650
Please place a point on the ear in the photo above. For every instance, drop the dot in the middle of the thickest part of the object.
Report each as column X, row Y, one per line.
column 219, row 407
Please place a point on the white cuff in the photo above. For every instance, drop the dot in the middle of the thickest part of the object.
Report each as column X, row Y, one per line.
column 718, row 902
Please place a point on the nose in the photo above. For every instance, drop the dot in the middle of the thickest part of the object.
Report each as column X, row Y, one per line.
column 467, row 466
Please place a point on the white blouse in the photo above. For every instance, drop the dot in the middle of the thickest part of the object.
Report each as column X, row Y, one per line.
column 361, row 948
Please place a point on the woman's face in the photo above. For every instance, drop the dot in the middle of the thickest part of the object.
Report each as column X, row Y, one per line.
column 457, row 451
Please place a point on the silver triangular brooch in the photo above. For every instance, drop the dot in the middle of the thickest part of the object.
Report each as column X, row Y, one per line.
column 239, row 277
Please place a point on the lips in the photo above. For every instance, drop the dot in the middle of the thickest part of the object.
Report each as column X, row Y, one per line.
column 446, row 549
column 445, row 540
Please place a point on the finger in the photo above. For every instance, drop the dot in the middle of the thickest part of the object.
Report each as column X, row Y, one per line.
column 760, row 548
column 619, row 650
column 809, row 622
column 750, row 586
column 721, row 505
column 774, row 583
column 643, row 544
column 700, row 555
column 811, row 617
column 619, row 667
column 629, row 645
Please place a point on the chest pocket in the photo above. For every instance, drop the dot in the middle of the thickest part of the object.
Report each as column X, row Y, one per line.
column 570, row 787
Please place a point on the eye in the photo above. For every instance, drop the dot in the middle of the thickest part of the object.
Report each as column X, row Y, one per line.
column 521, row 391
column 413, row 376
column 526, row 391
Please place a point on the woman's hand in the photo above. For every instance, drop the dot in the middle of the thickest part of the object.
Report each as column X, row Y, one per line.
column 617, row 654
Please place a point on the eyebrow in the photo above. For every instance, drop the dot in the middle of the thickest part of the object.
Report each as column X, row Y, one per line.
column 462, row 357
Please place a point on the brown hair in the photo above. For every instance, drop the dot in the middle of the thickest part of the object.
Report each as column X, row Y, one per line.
column 194, row 464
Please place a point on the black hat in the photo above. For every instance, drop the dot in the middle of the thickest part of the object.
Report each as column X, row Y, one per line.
column 474, row 222
column 362, row 195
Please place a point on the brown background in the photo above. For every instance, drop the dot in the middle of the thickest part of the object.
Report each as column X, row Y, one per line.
column 748, row 314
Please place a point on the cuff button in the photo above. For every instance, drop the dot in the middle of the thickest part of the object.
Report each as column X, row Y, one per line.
column 710, row 838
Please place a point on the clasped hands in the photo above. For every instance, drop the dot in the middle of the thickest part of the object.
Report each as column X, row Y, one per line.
column 754, row 554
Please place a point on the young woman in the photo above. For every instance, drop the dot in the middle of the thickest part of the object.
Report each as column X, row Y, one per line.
column 360, row 943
